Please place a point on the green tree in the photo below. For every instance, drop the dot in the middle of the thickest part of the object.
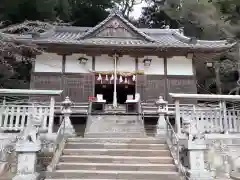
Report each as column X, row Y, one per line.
column 17, row 11
column 89, row 12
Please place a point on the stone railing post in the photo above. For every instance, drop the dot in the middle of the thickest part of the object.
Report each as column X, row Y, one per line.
column 66, row 111
column 195, row 145
column 161, row 130
column 27, row 148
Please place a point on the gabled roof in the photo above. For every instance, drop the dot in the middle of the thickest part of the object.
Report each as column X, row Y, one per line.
column 116, row 31
column 116, row 21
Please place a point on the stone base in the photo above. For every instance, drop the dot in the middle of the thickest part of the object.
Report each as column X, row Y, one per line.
column 199, row 175
column 34, row 176
column 26, row 146
column 161, row 133
column 70, row 132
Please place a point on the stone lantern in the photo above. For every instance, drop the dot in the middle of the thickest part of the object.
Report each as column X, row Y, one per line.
column 161, row 104
column 66, row 111
column 186, row 122
column 162, row 111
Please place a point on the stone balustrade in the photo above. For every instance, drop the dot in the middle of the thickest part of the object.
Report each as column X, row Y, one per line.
column 30, row 144
column 14, row 116
column 203, row 155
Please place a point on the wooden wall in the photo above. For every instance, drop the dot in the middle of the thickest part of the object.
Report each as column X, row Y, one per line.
column 77, row 86
column 80, row 86
column 152, row 86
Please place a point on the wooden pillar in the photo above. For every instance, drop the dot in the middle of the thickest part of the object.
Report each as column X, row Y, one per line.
column 136, row 69
column 165, row 78
column 93, row 68
column 62, row 74
column 32, row 71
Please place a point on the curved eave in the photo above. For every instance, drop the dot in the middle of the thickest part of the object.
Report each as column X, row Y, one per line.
column 154, row 46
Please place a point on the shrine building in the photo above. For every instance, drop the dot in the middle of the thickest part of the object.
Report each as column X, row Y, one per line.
column 116, row 56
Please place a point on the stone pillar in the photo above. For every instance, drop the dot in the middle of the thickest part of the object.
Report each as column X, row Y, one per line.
column 195, row 144
column 66, row 111
column 161, row 130
column 27, row 149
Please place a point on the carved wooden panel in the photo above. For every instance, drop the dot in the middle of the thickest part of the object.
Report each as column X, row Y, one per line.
column 150, row 86
column 78, row 86
column 89, row 82
column 115, row 28
column 140, row 85
column 46, row 81
column 181, row 84
column 155, row 86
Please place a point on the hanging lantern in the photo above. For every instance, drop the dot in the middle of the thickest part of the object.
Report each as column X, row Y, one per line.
column 125, row 80
column 99, row 77
column 134, row 78
column 120, row 79
column 106, row 78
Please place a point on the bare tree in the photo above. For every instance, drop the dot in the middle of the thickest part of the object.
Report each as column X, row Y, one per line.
column 126, row 6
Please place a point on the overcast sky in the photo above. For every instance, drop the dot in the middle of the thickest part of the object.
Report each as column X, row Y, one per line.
column 137, row 10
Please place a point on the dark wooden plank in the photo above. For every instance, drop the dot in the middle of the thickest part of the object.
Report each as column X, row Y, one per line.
column 78, row 86
column 140, row 85
column 181, row 84
column 46, row 81
column 155, row 86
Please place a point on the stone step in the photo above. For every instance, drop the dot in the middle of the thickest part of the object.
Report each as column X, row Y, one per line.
column 116, row 159
column 92, row 145
column 113, row 135
column 117, row 152
column 82, row 179
column 115, row 130
column 93, row 174
column 143, row 140
column 116, row 167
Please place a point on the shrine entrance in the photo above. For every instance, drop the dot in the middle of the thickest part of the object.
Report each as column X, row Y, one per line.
column 106, row 90
column 125, row 85
column 123, row 90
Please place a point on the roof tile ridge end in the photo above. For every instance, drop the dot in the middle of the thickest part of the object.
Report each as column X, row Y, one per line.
column 49, row 32
column 180, row 36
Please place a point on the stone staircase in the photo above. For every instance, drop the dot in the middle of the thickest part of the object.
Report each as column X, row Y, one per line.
column 115, row 158
column 114, row 126
column 121, row 109
column 115, row 147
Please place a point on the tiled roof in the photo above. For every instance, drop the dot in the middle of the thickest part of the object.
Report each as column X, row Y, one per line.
column 165, row 39
column 156, row 38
